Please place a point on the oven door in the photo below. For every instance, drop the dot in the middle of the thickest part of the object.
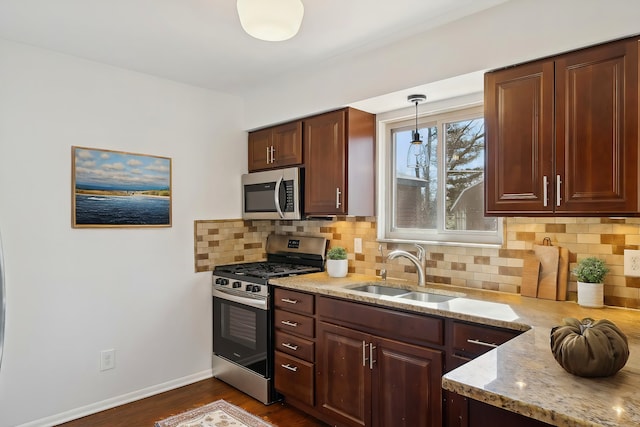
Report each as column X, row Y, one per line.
column 241, row 331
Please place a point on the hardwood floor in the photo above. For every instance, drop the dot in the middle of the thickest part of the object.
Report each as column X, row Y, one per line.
column 147, row 411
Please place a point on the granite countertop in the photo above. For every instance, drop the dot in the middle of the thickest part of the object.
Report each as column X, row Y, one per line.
column 520, row 375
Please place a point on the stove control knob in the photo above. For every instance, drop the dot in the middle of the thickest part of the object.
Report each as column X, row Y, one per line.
column 218, row 280
column 237, row 284
column 224, row 282
column 255, row 288
column 249, row 288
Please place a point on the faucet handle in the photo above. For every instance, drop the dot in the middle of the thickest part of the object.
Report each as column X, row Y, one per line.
column 420, row 252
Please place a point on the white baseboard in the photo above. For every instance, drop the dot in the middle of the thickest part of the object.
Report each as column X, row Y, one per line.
column 83, row 411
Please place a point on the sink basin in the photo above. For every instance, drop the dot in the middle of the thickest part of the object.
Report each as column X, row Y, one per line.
column 380, row 290
column 427, row 297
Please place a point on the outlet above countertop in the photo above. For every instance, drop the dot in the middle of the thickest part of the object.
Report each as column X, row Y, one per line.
column 521, row 375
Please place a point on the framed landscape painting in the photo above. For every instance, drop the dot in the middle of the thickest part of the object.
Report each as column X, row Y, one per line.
column 118, row 189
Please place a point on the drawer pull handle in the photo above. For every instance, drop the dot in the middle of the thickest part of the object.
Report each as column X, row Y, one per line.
column 486, row 344
column 289, row 367
column 290, row 301
column 288, row 323
column 290, row 346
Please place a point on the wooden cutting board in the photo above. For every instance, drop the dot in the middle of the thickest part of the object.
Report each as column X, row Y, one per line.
column 549, row 257
column 530, row 272
column 563, row 274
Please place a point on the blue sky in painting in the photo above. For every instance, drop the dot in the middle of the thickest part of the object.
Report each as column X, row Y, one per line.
column 109, row 170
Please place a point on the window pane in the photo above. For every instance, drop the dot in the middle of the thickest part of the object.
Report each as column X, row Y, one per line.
column 464, row 142
column 415, row 185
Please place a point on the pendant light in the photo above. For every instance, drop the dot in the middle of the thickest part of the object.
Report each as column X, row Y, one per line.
column 417, row 154
column 270, row 20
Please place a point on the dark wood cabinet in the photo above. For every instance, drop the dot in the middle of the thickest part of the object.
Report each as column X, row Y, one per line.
column 562, row 134
column 294, row 345
column 365, row 378
column 339, row 154
column 275, row 147
column 405, row 383
column 344, row 379
column 483, row 415
column 466, row 341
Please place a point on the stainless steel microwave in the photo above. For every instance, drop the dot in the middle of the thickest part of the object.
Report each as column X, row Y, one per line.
column 273, row 194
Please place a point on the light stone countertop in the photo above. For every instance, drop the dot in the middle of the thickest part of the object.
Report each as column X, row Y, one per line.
column 521, row 375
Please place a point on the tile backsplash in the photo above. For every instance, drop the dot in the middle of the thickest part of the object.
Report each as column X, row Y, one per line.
column 495, row 268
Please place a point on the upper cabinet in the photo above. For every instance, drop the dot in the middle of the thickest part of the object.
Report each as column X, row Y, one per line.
column 276, row 147
column 339, row 157
column 562, row 134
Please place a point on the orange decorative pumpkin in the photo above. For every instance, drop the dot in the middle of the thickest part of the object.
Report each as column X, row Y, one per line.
column 589, row 348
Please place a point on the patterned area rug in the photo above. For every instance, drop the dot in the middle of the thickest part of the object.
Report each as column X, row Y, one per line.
column 217, row 414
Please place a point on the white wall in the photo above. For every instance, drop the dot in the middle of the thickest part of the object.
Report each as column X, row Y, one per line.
column 512, row 32
column 74, row 292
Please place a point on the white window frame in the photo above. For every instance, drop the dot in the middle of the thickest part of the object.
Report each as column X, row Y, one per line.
column 449, row 111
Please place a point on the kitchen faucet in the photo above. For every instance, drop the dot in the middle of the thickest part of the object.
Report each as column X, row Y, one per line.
column 416, row 260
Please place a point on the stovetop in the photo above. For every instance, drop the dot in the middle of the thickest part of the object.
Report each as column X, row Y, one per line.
column 286, row 256
column 265, row 270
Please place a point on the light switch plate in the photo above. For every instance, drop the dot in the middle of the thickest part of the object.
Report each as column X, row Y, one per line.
column 357, row 245
column 632, row 263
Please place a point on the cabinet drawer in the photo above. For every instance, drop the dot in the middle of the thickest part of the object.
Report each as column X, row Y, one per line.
column 294, row 301
column 295, row 346
column 398, row 325
column 476, row 339
column 294, row 377
column 294, row 323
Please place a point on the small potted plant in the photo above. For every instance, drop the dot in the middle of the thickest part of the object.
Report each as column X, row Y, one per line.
column 590, row 273
column 337, row 264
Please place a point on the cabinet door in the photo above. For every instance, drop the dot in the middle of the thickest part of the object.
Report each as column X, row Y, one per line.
column 519, row 139
column 260, row 143
column 597, row 129
column 325, row 164
column 287, row 144
column 343, row 380
column 406, row 385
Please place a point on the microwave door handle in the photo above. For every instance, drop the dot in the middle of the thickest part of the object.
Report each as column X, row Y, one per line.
column 276, row 196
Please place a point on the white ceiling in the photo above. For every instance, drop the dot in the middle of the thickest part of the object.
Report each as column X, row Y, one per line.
column 200, row 42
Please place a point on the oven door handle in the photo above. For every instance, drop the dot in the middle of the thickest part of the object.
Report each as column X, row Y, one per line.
column 257, row 303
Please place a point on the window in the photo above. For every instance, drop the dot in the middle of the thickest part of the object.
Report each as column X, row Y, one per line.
column 436, row 194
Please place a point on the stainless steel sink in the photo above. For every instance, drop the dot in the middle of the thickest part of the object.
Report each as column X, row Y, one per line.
column 427, row 297
column 380, row 290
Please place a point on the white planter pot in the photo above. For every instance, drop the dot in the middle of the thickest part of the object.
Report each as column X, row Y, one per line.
column 337, row 267
column 591, row 294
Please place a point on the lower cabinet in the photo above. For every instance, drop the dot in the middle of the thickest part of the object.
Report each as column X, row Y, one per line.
column 352, row 364
column 483, row 415
column 467, row 341
column 364, row 379
column 294, row 346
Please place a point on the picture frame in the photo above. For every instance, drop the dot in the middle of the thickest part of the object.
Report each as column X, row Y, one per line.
column 119, row 189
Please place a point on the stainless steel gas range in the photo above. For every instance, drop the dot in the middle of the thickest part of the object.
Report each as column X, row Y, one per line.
column 242, row 312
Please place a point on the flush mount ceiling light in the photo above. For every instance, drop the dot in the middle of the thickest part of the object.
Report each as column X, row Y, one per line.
column 417, row 154
column 271, row 20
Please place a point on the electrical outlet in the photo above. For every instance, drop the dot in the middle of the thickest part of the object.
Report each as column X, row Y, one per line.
column 357, row 245
column 632, row 263
column 107, row 359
